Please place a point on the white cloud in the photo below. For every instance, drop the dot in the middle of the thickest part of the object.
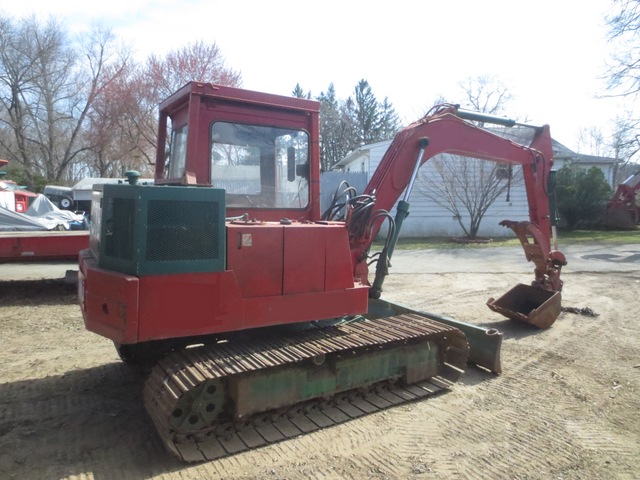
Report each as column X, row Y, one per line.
column 548, row 53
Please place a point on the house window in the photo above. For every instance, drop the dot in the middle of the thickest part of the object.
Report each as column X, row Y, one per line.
column 503, row 172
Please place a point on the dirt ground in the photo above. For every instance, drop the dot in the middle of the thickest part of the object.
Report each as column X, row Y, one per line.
column 567, row 405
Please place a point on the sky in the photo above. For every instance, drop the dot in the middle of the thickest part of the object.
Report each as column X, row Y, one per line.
column 550, row 54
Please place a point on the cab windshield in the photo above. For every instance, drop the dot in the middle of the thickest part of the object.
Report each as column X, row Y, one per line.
column 260, row 166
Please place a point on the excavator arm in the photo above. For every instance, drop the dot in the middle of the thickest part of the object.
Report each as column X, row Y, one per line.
column 450, row 130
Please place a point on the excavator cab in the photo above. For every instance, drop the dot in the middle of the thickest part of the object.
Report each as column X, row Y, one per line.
column 261, row 149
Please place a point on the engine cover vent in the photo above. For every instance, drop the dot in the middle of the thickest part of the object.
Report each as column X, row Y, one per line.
column 153, row 230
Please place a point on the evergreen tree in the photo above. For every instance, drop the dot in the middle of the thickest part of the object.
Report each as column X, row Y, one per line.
column 582, row 195
column 347, row 124
column 367, row 114
column 347, row 128
column 331, row 150
column 389, row 120
column 299, row 93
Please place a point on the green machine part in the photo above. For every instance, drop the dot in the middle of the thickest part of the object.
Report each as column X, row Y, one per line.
column 153, row 230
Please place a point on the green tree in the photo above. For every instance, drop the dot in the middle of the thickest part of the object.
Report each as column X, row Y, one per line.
column 336, row 129
column 367, row 114
column 298, row 92
column 582, row 196
column 374, row 121
column 347, row 124
column 389, row 120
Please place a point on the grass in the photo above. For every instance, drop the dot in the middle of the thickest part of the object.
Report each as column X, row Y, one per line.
column 564, row 238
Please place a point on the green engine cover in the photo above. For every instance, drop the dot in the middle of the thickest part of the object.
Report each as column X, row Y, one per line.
column 153, row 230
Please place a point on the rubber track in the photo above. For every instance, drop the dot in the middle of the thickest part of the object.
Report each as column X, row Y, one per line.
column 186, row 369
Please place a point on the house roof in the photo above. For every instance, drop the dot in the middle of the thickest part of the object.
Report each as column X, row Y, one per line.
column 560, row 152
column 360, row 152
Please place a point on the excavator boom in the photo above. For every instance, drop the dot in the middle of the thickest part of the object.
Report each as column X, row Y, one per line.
column 449, row 130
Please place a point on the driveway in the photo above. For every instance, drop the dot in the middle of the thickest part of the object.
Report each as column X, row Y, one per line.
column 580, row 258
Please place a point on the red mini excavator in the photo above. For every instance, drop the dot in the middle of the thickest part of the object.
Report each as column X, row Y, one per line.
column 255, row 307
column 623, row 210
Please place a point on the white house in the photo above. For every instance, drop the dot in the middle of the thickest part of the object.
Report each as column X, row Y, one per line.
column 426, row 218
column 563, row 156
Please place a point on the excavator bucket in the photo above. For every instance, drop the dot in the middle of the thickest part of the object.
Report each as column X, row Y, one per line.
column 528, row 304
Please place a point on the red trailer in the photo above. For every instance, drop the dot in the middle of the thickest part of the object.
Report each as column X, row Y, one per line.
column 33, row 245
column 42, row 245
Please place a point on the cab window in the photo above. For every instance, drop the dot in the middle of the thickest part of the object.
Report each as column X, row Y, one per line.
column 178, row 153
column 260, row 166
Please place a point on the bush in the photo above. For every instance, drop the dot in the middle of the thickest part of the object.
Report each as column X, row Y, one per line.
column 18, row 175
column 582, row 196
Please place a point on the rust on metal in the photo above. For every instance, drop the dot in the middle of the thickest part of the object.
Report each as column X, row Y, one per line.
column 529, row 304
column 183, row 392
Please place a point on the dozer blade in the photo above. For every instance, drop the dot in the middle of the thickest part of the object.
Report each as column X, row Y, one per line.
column 254, row 389
column 528, row 304
column 484, row 344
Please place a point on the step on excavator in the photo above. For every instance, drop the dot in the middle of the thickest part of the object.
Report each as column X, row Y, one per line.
column 254, row 310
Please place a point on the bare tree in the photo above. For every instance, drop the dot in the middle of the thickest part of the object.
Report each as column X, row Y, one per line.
column 626, row 140
column 592, row 141
column 47, row 87
column 123, row 124
column 467, row 187
column 121, row 134
column 623, row 144
column 485, row 93
column 197, row 61
column 14, row 76
column 624, row 78
column 624, row 30
column 160, row 77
